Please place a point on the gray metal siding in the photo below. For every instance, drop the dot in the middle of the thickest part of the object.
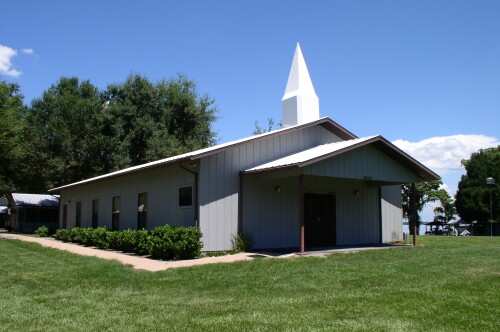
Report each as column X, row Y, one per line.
column 365, row 161
column 270, row 217
column 219, row 182
column 161, row 184
column 392, row 215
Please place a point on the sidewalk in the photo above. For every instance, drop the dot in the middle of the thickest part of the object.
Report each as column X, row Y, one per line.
column 138, row 262
column 148, row 264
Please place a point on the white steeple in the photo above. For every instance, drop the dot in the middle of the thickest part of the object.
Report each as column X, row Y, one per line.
column 300, row 103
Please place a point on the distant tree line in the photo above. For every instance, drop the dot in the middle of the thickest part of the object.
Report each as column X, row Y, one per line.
column 472, row 200
column 76, row 131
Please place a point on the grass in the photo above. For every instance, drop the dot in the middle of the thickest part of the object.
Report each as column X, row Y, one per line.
column 445, row 284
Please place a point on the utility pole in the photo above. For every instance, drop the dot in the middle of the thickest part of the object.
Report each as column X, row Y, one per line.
column 491, row 182
column 413, row 212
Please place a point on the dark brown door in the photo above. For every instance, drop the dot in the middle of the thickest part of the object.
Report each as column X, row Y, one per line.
column 319, row 220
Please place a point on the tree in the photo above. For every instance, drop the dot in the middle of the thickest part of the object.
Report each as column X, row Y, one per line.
column 148, row 121
column 259, row 130
column 11, row 125
column 425, row 192
column 446, row 210
column 473, row 196
column 63, row 136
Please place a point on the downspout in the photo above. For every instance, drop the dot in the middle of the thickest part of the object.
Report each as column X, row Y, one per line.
column 240, row 205
column 197, row 207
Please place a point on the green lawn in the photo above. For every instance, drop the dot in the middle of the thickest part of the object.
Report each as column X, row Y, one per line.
column 445, row 284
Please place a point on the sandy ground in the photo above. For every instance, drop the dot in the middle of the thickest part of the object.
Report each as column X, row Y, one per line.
column 138, row 262
column 144, row 263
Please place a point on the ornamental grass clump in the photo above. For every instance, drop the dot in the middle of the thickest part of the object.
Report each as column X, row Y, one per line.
column 242, row 242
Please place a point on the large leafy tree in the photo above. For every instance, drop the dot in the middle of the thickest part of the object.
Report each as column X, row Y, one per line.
column 425, row 192
column 473, row 195
column 446, row 210
column 11, row 113
column 63, row 136
column 148, row 121
column 75, row 131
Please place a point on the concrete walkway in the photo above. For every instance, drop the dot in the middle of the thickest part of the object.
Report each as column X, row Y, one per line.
column 138, row 262
column 148, row 264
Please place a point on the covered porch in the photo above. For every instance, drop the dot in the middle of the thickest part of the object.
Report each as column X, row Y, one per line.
column 346, row 193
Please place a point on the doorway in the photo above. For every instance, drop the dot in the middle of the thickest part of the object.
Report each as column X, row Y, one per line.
column 319, row 220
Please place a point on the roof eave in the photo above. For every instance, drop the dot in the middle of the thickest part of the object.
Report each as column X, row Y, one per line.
column 126, row 171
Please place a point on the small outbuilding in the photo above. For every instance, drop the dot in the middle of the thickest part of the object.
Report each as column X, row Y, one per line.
column 309, row 184
column 3, row 211
column 30, row 211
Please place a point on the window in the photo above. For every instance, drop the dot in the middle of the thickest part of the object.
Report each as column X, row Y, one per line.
column 115, row 220
column 65, row 216
column 78, row 215
column 95, row 213
column 142, row 210
column 186, row 196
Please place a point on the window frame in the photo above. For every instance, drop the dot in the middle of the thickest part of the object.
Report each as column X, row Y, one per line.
column 144, row 213
column 78, row 214
column 115, row 226
column 179, row 196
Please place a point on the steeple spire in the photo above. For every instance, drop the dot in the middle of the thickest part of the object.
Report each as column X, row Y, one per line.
column 300, row 103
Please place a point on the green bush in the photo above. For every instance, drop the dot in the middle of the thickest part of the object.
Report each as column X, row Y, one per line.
column 42, row 231
column 187, row 242
column 100, row 238
column 242, row 242
column 129, row 241
column 164, row 242
column 175, row 242
column 142, row 246
column 63, row 234
column 160, row 243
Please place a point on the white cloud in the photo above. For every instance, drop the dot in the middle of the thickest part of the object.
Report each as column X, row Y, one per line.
column 445, row 153
column 447, row 189
column 6, row 68
column 27, row 50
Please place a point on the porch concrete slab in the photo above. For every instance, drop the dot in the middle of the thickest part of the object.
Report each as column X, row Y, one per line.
column 322, row 252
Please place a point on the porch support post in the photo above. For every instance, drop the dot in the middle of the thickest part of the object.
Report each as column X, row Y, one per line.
column 301, row 212
column 413, row 209
column 240, row 205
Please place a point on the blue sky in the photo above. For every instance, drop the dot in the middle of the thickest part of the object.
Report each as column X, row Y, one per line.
column 424, row 74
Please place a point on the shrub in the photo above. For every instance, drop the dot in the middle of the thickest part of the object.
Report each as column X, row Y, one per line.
column 100, row 237
column 81, row 235
column 160, row 243
column 142, row 243
column 164, row 242
column 175, row 242
column 187, row 244
column 63, row 234
column 42, row 231
column 242, row 242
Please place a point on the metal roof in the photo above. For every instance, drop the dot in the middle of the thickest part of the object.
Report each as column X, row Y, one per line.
column 300, row 158
column 35, row 200
column 325, row 122
column 321, row 152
